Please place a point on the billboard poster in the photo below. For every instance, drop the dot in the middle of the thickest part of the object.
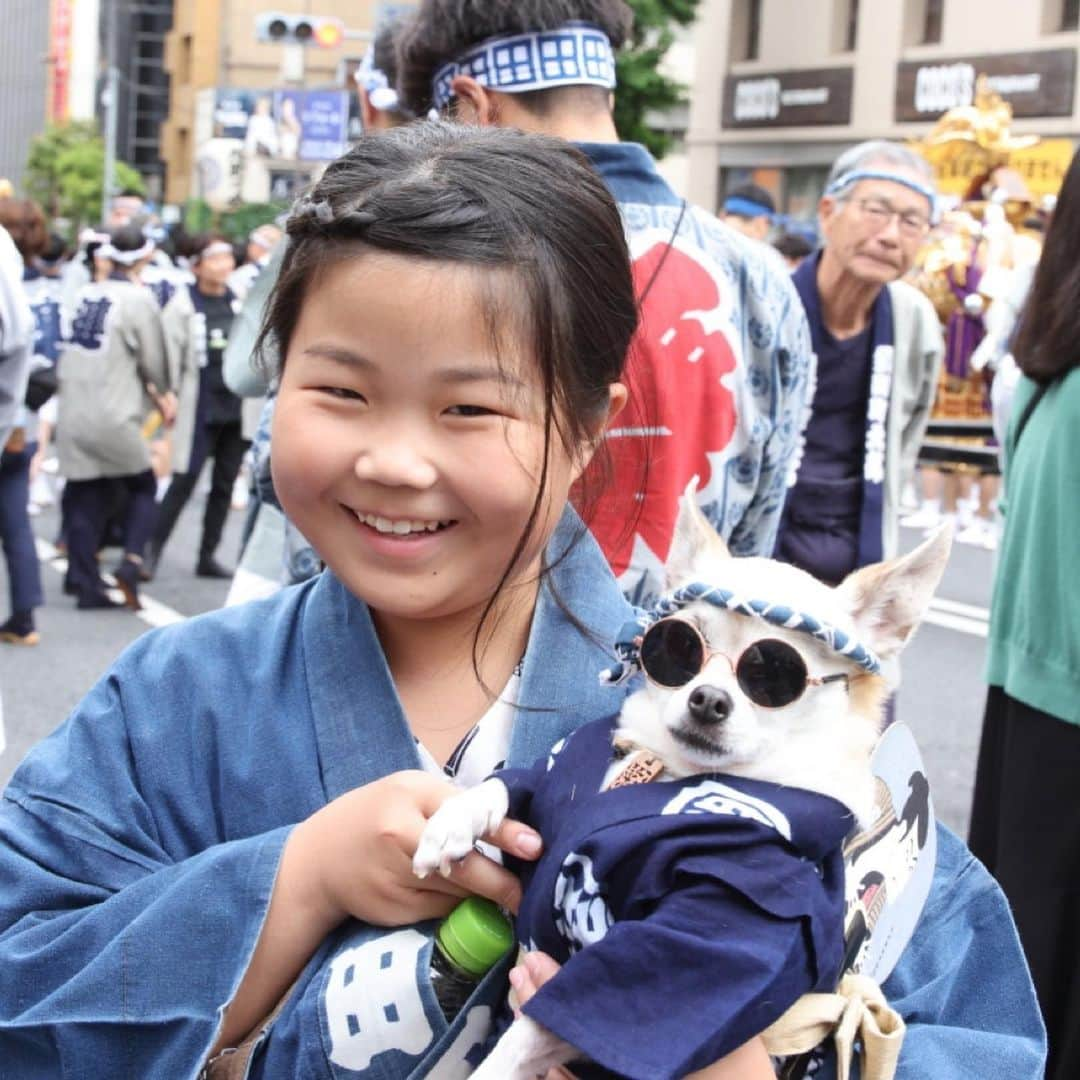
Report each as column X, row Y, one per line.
column 284, row 125
column 312, row 125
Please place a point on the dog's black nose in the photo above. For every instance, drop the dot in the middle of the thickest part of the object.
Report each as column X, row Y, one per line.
column 710, row 705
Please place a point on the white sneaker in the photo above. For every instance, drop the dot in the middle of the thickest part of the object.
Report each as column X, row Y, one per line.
column 926, row 518
column 40, row 492
column 980, row 533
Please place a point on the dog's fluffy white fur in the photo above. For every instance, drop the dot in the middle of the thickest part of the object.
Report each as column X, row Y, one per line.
column 822, row 742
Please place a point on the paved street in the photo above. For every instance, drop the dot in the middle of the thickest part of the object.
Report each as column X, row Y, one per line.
column 941, row 696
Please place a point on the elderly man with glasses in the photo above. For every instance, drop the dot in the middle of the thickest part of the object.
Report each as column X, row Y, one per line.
column 879, row 348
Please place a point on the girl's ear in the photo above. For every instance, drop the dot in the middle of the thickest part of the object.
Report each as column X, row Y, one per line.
column 617, row 397
column 473, row 105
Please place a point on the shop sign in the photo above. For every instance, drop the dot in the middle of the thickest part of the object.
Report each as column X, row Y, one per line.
column 809, row 98
column 1033, row 83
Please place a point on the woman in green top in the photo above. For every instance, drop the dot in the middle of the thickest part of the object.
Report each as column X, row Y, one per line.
column 1026, row 814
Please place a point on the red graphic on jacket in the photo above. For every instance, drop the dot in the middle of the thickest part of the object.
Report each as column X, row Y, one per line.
column 678, row 410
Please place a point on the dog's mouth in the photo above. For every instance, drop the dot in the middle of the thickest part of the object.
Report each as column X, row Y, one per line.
column 694, row 740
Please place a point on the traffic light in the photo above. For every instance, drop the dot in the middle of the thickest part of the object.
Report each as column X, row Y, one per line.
column 278, row 28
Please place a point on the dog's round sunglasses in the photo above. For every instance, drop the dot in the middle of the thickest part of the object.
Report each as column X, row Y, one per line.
column 770, row 672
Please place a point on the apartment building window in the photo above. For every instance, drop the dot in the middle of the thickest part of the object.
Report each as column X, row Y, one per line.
column 1070, row 15
column 753, row 29
column 933, row 16
column 745, row 35
column 851, row 31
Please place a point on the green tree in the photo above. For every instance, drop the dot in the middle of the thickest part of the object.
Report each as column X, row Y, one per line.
column 65, row 172
column 642, row 89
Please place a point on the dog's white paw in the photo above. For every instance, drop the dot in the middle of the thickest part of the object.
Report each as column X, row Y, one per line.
column 452, row 831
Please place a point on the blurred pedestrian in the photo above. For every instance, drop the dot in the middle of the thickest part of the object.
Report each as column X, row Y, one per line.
column 1025, row 821
column 25, row 224
column 260, row 247
column 793, row 248
column 197, row 322
column 750, row 209
column 879, row 349
column 113, row 370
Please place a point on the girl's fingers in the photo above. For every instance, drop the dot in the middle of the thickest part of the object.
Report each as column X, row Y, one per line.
column 477, row 874
column 533, row 971
column 518, row 839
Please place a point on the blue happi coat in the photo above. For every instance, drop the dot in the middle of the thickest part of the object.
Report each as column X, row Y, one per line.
column 139, row 846
column 712, row 897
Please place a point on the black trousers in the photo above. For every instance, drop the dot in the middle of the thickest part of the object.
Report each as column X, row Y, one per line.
column 1025, row 826
column 223, row 443
column 87, row 507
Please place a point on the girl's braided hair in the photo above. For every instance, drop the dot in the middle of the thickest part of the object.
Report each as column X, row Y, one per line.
column 531, row 209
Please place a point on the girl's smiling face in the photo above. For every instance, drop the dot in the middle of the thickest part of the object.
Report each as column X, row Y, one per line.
column 407, row 447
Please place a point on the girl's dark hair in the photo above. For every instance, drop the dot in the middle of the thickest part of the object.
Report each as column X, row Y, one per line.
column 441, row 30
column 528, row 206
column 25, row 221
column 1047, row 341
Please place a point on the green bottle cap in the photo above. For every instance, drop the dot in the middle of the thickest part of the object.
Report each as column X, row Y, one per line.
column 476, row 935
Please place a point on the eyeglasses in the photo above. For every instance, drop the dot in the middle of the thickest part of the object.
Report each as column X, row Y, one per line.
column 880, row 214
column 770, row 672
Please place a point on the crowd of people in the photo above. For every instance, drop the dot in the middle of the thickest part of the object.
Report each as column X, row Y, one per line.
column 125, row 395
column 489, row 355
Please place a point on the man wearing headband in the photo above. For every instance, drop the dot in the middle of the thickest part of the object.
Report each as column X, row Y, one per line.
column 197, row 322
column 260, row 247
column 721, row 369
column 749, row 209
column 112, row 358
column 879, row 348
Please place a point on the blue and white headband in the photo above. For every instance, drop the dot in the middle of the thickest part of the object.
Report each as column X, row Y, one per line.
column 845, row 180
column 628, row 644
column 744, row 207
column 575, row 54
column 125, row 258
column 375, row 84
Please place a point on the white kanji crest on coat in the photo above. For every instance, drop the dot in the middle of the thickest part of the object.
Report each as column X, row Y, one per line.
column 714, row 797
column 582, row 915
column 373, row 1001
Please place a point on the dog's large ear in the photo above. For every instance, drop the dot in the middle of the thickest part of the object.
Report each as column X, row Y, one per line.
column 888, row 600
column 694, row 541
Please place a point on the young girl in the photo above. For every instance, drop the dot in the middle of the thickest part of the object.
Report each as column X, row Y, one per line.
column 228, row 818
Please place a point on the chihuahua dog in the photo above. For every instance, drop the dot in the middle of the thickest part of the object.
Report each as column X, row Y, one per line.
column 752, row 730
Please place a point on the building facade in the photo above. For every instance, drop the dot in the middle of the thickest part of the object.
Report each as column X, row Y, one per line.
column 24, row 79
column 798, row 81
column 213, row 48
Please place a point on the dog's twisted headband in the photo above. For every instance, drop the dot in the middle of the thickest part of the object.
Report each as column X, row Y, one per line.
column 628, row 644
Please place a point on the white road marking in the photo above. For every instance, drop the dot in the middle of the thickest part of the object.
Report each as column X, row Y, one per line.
column 965, row 618
column 154, row 613
column 954, row 607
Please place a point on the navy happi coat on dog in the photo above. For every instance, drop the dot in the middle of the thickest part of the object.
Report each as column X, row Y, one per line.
column 708, row 905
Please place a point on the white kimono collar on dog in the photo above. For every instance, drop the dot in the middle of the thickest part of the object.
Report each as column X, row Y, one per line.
column 628, row 644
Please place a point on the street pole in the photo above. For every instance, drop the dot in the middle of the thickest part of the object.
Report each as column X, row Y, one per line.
column 111, row 102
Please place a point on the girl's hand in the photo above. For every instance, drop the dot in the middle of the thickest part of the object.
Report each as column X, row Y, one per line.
column 356, row 856
column 535, row 970
column 749, row 1062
